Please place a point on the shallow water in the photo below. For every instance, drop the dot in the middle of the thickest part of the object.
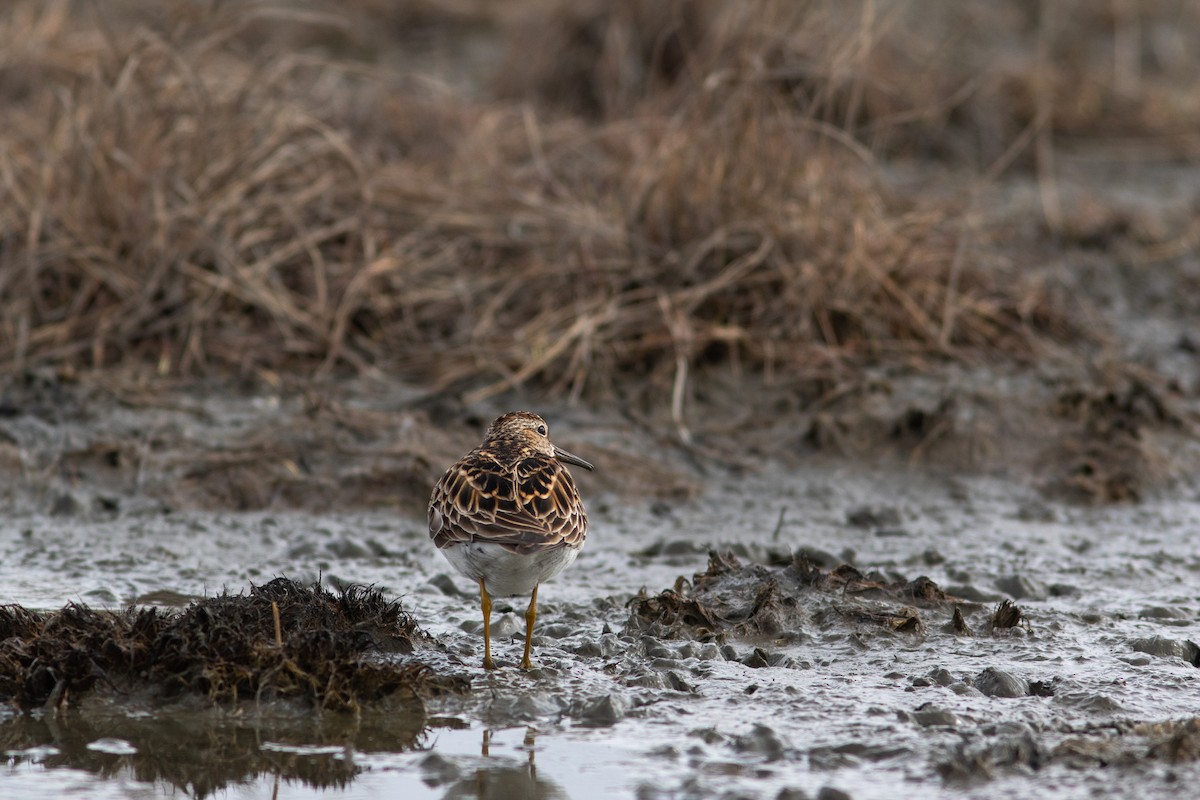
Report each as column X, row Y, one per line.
column 850, row 705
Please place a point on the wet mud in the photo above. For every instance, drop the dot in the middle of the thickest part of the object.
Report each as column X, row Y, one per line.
column 799, row 630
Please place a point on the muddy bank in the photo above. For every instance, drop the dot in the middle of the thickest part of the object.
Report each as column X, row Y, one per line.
column 815, row 657
column 98, row 447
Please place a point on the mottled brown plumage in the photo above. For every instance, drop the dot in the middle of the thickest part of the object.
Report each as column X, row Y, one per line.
column 508, row 515
column 510, row 492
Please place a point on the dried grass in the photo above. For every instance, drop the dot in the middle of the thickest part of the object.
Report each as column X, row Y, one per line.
column 920, row 78
column 248, row 188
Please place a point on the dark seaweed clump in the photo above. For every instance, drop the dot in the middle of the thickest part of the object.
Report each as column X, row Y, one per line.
column 223, row 648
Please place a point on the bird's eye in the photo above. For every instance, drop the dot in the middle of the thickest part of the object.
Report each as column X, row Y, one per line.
column 541, row 429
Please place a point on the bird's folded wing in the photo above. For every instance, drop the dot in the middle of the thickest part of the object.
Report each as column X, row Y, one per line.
column 532, row 507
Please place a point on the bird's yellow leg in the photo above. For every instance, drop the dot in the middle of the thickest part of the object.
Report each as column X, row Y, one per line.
column 530, row 618
column 486, row 604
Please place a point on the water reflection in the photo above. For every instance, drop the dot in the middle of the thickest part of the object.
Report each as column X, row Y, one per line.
column 202, row 752
column 497, row 778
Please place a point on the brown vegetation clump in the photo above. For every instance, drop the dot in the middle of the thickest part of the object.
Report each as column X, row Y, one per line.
column 207, row 191
column 282, row 641
column 732, row 600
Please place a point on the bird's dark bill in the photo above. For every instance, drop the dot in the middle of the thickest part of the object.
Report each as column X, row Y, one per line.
column 563, row 455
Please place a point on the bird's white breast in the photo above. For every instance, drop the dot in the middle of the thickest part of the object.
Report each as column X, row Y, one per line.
column 507, row 574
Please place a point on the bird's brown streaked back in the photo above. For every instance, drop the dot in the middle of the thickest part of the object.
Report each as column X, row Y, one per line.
column 512, row 491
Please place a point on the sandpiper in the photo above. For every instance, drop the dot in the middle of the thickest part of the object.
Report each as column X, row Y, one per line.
column 508, row 516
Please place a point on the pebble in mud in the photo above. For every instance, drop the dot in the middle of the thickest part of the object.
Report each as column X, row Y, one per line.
column 672, row 549
column 1023, row 587
column 873, row 517
column 445, row 584
column 974, row 594
column 510, row 709
column 757, row 659
column 559, row 630
column 1163, row 647
column 761, row 740
column 941, row 676
column 606, row 646
column 998, row 683
column 506, row 626
column 932, row 716
column 792, row 793
column 65, row 505
column 603, row 712
column 1166, row 614
column 1005, row 745
column 653, row 648
column 832, row 793
column 818, row 557
column 349, row 549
